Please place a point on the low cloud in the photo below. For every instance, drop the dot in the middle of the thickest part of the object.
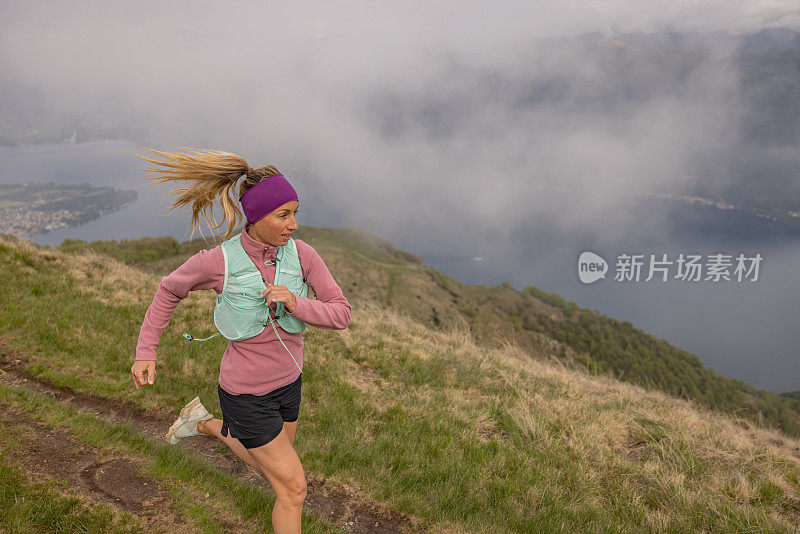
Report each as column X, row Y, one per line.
column 404, row 117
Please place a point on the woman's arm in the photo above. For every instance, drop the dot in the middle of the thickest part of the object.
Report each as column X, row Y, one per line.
column 204, row 270
column 330, row 310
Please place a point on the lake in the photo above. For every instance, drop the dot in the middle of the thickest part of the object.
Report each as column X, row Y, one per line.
column 746, row 330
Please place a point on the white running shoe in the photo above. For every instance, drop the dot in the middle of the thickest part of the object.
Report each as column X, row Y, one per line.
column 186, row 423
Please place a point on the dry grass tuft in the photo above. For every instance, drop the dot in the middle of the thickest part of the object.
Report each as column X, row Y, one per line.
column 672, row 445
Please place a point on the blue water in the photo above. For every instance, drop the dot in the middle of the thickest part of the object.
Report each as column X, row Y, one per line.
column 746, row 330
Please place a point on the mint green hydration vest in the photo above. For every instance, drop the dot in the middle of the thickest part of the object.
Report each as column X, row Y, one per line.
column 241, row 312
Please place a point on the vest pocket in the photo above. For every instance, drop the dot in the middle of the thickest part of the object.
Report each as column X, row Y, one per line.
column 248, row 285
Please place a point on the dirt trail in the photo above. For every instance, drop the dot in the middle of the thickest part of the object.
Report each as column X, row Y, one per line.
column 340, row 505
column 93, row 474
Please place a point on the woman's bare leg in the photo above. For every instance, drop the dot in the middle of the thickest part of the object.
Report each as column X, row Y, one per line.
column 291, row 430
column 213, row 428
column 279, row 462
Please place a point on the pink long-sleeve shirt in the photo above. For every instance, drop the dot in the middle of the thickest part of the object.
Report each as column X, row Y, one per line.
column 260, row 364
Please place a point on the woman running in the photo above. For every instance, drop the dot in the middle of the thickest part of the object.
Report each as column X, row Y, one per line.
column 263, row 317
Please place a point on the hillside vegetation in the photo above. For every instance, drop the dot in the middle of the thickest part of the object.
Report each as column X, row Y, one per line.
column 465, row 437
column 369, row 268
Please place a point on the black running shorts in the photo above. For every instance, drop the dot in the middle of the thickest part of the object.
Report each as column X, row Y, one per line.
column 255, row 420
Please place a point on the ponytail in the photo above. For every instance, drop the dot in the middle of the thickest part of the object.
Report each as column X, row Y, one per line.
column 212, row 174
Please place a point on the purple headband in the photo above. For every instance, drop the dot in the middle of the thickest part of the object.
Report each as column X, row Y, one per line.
column 270, row 193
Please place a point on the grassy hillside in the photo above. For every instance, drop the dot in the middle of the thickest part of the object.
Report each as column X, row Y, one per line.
column 369, row 268
column 464, row 437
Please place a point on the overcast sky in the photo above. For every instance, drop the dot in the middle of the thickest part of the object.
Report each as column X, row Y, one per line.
column 374, row 107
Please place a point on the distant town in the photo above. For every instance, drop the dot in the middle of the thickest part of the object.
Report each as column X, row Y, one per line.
column 31, row 208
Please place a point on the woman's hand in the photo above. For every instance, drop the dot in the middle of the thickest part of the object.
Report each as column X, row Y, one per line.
column 280, row 294
column 144, row 372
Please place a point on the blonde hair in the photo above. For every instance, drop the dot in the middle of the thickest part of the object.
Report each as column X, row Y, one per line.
column 209, row 174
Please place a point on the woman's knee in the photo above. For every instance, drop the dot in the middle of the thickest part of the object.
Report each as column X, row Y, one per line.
column 278, row 461
column 293, row 491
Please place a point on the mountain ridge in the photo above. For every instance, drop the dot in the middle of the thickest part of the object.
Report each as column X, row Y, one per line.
column 467, row 438
column 370, row 268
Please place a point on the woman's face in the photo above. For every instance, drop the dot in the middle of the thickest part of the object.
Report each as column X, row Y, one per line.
column 276, row 227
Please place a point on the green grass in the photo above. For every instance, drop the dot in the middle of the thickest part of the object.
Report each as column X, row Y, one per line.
column 182, row 473
column 421, row 456
column 39, row 507
column 463, row 437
